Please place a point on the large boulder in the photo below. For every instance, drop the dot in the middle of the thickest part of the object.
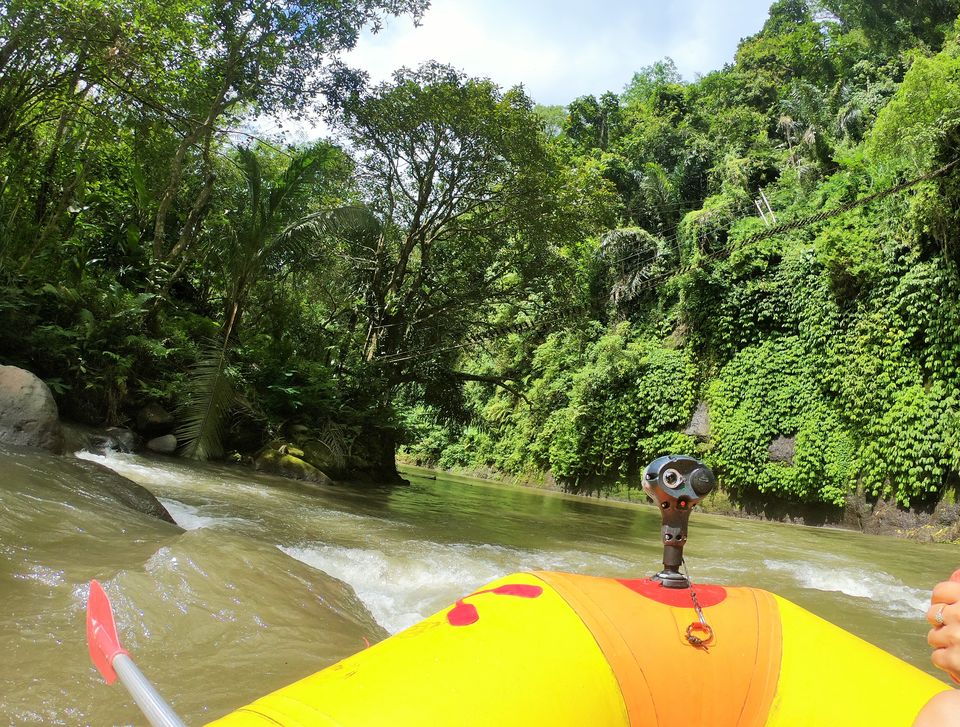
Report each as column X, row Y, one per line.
column 167, row 444
column 782, row 449
column 154, row 421
column 106, row 483
column 77, row 437
column 28, row 412
column 286, row 463
column 114, row 439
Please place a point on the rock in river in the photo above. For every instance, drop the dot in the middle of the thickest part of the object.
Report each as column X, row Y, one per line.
column 28, row 412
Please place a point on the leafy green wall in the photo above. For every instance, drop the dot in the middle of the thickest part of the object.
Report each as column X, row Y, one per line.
column 841, row 334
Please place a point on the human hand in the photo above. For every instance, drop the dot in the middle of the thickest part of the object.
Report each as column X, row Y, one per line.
column 944, row 617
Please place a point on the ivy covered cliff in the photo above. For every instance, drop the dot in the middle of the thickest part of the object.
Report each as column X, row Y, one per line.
column 782, row 296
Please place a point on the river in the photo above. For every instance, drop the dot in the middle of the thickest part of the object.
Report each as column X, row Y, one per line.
column 249, row 594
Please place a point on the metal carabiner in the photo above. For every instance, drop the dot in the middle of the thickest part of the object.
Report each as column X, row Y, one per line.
column 698, row 641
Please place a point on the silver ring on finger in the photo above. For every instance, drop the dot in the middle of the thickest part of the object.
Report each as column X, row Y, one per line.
column 938, row 616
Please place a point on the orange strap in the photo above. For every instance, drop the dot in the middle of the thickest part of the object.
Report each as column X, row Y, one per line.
column 731, row 684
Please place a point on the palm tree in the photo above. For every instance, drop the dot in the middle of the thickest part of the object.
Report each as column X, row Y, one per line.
column 267, row 231
column 660, row 192
column 806, row 120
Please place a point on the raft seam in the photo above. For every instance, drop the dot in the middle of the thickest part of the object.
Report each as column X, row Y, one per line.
column 596, row 612
column 261, row 714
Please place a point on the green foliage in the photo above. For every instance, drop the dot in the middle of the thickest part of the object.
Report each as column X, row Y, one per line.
column 893, row 388
column 705, row 230
column 891, row 26
column 841, row 338
column 89, row 340
column 428, row 439
column 623, row 399
column 790, row 46
column 532, row 288
column 474, row 209
column 650, row 81
column 634, row 257
column 593, row 123
column 851, row 251
column 598, row 410
column 768, row 391
column 925, row 109
column 209, row 397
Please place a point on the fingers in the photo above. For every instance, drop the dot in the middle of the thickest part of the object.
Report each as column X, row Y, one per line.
column 949, row 612
column 946, row 592
column 944, row 615
column 945, row 641
column 947, row 659
column 941, row 637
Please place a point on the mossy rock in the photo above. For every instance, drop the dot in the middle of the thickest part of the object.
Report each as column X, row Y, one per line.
column 319, row 455
column 285, row 464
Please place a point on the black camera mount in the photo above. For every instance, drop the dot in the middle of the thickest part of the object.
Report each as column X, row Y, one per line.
column 676, row 483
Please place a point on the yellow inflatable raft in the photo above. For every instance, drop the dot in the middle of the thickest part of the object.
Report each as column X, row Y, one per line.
column 558, row 649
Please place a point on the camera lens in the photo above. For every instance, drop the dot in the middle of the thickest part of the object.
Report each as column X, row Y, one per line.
column 672, row 479
column 702, row 481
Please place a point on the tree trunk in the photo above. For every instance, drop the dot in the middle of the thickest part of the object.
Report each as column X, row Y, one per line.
column 384, row 451
column 203, row 131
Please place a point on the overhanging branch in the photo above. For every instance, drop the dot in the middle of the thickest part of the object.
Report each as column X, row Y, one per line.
column 497, row 380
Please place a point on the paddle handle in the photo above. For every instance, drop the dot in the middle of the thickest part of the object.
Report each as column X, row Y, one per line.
column 157, row 711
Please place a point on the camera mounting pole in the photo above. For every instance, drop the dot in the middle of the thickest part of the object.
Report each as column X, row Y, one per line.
column 676, row 483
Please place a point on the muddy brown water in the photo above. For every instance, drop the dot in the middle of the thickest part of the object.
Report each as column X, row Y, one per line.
column 266, row 580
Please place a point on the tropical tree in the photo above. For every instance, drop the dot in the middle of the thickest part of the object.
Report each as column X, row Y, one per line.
column 270, row 228
column 893, row 24
column 261, row 55
column 806, row 122
column 593, row 123
column 474, row 209
column 651, row 79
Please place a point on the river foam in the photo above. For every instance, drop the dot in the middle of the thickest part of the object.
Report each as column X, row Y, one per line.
column 189, row 517
column 887, row 593
column 417, row 578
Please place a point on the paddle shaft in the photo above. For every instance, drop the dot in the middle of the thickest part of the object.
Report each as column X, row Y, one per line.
column 157, row 711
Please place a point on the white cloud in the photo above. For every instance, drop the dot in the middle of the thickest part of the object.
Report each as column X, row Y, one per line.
column 556, row 49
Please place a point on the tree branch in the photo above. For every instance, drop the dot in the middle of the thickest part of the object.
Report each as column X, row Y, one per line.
column 497, row 380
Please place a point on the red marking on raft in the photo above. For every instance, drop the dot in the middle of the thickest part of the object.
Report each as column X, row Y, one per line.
column 654, row 590
column 464, row 614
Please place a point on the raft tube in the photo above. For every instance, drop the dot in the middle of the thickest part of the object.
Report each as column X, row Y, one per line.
column 557, row 649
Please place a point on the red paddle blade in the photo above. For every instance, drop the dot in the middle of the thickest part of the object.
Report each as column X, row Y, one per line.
column 102, row 639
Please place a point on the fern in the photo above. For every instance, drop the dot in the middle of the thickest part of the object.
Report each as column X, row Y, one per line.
column 209, row 397
column 339, row 441
column 348, row 223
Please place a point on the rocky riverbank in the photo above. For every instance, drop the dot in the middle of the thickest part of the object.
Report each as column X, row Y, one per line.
column 29, row 420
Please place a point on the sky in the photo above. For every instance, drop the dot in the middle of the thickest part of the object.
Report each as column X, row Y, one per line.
column 558, row 50
column 561, row 49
